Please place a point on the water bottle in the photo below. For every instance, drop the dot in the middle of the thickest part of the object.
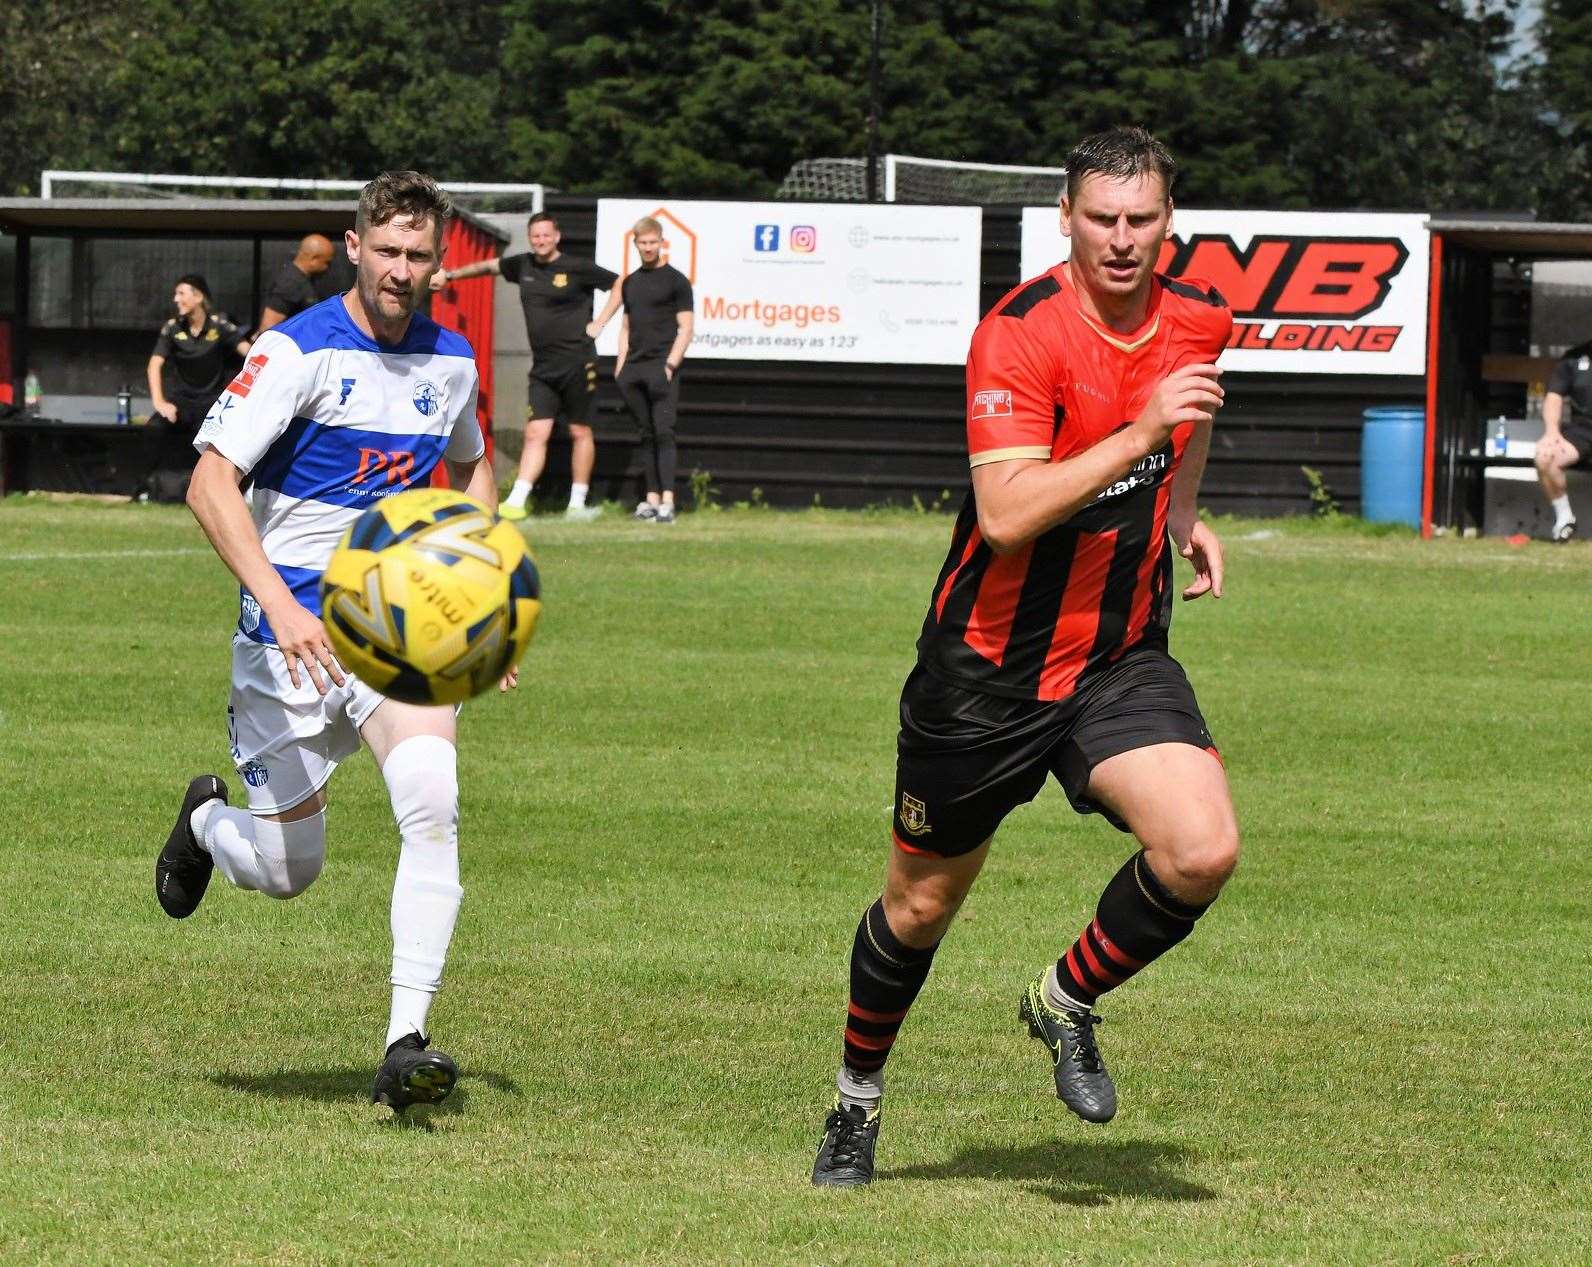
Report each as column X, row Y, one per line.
column 1498, row 446
column 124, row 406
column 32, row 395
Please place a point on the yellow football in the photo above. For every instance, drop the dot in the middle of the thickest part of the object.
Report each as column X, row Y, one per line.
column 430, row 597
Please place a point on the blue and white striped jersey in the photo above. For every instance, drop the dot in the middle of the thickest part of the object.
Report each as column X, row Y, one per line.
column 326, row 421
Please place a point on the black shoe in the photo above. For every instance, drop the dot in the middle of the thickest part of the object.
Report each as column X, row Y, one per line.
column 1082, row 1083
column 412, row 1073
column 1564, row 531
column 845, row 1158
column 182, row 872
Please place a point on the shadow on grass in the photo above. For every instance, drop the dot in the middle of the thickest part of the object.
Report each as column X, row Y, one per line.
column 1070, row 1173
column 345, row 1084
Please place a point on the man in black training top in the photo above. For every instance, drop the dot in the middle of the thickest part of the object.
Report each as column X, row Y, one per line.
column 1566, row 442
column 556, row 291
column 652, row 344
column 195, row 351
column 293, row 290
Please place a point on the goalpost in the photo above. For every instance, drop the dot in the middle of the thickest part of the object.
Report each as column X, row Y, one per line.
column 929, row 180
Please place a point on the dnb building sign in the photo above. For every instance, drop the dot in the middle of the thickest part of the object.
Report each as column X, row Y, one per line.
column 1311, row 292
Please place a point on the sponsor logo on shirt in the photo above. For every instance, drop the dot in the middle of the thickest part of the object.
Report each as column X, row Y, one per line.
column 427, row 398
column 398, row 463
column 1148, row 471
column 244, row 382
column 348, row 386
column 992, row 404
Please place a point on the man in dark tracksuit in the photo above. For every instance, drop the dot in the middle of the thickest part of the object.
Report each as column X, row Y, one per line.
column 652, row 344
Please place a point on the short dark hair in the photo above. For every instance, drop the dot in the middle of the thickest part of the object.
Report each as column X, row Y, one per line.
column 539, row 217
column 1120, row 153
column 197, row 281
column 410, row 194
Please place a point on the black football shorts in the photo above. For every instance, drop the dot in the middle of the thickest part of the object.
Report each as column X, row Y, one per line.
column 565, row 395
column 965, row 759
column 1580, row 437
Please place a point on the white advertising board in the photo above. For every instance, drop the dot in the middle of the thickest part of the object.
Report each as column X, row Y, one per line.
column 1312, row 292
column 793, row 281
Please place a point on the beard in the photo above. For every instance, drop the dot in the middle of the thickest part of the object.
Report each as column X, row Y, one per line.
column 388, row 304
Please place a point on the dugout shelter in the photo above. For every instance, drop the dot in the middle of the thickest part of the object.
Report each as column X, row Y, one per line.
column 89, row 281
column 1482, row 356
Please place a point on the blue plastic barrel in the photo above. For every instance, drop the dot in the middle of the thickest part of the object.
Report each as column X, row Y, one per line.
column 1392, row 452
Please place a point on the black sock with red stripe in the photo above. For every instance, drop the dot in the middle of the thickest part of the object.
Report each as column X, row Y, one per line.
column 885, row 978
column 1136, row 923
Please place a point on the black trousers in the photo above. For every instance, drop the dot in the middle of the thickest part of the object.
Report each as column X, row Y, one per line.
column 652, row 397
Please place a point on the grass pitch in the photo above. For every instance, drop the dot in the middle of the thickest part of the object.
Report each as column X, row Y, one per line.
column 1374, row 1050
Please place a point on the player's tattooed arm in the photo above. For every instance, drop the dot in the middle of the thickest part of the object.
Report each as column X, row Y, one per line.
column 217, row 504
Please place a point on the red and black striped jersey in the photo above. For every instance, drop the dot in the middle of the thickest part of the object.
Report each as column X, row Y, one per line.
column 1046, row 382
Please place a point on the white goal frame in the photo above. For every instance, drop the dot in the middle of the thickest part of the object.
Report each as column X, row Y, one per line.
column 47, row 181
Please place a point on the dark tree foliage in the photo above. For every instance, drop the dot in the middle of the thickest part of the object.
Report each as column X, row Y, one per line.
column 1268, row 103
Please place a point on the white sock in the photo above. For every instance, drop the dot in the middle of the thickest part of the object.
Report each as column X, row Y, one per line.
column 518, row 494
column 865, row 1089
column 577, row 495
column 279, row 859
column 1059, row 998
column 422, row 780
column 1562, row 514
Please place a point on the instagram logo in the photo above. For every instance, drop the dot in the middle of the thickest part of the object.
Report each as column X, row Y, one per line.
column 803, row 238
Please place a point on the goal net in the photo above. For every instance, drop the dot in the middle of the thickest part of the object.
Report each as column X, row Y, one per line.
column 474, row 196
column 903, row 178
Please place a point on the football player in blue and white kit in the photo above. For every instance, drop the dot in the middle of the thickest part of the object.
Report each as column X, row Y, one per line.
column 352, row 400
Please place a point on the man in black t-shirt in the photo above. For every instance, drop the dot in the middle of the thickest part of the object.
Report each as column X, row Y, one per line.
column 293, row 288
column 1566, row 442
column 652, row 344
column 556, row 292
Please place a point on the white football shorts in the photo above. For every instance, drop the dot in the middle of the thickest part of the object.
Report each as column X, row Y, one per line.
column 286, row 739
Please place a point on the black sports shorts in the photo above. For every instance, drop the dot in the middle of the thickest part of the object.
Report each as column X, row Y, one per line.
column 966, row 759
column 1580, row 437
column 564, row 395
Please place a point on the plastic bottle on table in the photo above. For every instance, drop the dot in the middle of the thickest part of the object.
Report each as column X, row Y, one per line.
column 32, row 395
column 1498, row 446
column 124, row 406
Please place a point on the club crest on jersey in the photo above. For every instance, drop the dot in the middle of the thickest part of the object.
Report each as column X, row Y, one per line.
column 254, row 774
column 914, row 815
column 249, row 613
column 427, row 398
column 560, row 280
column 992, row 404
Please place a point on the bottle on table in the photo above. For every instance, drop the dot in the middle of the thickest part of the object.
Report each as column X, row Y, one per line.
column 1498, row 446
column 32, row 395
column 124, row 406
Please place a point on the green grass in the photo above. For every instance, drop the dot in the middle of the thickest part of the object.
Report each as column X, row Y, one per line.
column 1375, row 1049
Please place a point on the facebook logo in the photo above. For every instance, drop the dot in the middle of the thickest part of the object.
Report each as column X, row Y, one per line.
column 766, row 237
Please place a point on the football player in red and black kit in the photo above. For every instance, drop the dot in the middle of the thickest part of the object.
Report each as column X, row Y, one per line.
column 1090, row 396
